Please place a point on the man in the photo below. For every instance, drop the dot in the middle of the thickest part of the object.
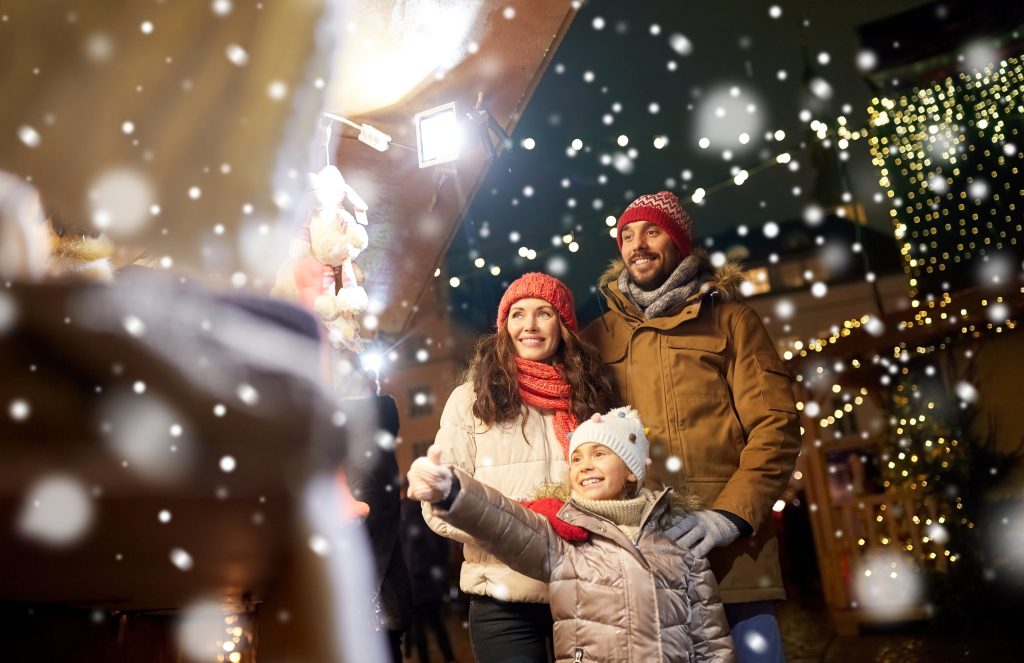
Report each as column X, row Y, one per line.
column 704, row 375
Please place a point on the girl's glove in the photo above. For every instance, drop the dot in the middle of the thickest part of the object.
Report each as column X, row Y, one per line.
column 703, row 530
column 429, row 480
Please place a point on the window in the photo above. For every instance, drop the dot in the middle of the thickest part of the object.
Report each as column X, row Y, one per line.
column 757, row 280
column 419, row 449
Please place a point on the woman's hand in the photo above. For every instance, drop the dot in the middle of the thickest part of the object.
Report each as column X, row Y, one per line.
column 429, row 480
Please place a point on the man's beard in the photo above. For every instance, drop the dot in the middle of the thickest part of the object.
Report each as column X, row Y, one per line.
column 652, row 280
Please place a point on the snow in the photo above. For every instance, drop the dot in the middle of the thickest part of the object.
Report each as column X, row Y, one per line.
column 57, row 511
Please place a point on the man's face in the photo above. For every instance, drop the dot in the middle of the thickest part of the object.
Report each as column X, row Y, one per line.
column 649, row 254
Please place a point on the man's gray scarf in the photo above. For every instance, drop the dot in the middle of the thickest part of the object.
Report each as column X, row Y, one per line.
column 687, row 278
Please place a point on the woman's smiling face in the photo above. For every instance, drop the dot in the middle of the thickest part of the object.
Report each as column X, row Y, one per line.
column 533, row 325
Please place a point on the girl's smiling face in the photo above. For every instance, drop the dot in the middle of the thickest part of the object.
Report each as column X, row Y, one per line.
column 597, row 473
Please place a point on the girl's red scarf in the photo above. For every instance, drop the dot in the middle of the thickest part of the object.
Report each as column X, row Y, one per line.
column 544, row 386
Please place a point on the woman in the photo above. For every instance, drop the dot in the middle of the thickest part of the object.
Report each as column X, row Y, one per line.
column 528, row 385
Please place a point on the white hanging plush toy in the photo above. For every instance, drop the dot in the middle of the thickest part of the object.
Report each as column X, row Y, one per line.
column 336, row 238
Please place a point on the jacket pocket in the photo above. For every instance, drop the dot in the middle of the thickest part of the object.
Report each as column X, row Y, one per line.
column 776, row 382
column 714, row 344
column 696, row 366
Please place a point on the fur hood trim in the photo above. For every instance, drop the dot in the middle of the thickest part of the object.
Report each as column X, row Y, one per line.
column 81, row 249
column 681, row 504
column 726, row 280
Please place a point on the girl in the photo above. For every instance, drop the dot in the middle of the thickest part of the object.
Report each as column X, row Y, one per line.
column 507, row 426
column 624, row 590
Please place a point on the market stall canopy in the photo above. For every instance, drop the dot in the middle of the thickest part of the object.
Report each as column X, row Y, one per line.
column 404, row 58
column 186, row 129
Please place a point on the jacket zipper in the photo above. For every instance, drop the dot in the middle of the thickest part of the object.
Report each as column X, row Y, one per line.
column 578, row 658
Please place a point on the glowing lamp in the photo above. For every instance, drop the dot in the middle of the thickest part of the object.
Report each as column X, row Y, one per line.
column 437, row 135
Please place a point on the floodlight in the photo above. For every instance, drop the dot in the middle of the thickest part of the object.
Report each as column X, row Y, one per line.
column 437, row 135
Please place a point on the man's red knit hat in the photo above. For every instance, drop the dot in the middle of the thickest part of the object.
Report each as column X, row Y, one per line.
column 541, row 286
column 663, row 210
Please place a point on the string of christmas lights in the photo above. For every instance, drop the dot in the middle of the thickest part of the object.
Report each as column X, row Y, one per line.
column 946, row 161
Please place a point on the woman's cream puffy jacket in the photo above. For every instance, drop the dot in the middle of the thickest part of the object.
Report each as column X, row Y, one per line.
column 516, row 459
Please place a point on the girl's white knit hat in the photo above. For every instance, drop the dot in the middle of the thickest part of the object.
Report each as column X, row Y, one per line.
column 619, row 429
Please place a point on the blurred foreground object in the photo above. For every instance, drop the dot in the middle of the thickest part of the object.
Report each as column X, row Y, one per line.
column 168, row 466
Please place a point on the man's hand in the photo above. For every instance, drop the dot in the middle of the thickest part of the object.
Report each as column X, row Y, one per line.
column 429, row 480
column 703, row 530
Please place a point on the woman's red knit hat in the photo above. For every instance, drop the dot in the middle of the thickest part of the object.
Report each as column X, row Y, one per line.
column 540, row 286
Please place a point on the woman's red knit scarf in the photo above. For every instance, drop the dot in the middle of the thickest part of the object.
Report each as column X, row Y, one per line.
column 544, row 386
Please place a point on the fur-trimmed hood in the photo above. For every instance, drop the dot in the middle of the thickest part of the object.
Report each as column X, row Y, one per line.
column 725, row 280
column 89, row 257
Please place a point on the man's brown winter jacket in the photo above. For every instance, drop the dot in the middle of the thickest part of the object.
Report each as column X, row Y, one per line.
column 710, row 385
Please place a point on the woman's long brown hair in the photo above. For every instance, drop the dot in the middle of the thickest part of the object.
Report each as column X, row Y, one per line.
column 493, row 373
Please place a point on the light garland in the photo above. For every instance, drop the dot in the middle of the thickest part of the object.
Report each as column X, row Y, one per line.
column 956, row 193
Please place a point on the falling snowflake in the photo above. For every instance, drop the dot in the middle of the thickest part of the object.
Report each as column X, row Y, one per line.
column 680, row 44
column 57, row 511
column 120, row 200
column 874, row 326
column 978, row 189
column 99, row 47
column 937, row 183
column 181, row 559
column 200, row 630
column 248, row 394
column 319, row 545
column 755, row 642
column 966, row 392
column 887, row 583
column 277, row 90
column 29, row 136
column 814, row 215
column 236, row 55
column 19, row 409
column 724, row 115
column 821, row 88
column 998, row 313
column 979, row 55
column 134, row 326
column 139, row 432
column 221, row 7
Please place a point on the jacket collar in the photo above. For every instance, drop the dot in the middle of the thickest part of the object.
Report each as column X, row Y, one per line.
column 573, row 514
column 724, row 283
column 618, row 301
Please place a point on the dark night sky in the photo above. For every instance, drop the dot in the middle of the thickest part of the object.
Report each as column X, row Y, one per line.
column 691, row 59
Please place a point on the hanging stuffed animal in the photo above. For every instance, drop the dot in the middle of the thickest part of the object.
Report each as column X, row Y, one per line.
column 324, row 250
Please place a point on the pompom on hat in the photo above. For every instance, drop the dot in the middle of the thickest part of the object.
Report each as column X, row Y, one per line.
column 539, row 286
column 663, row 210
column 621, row 430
